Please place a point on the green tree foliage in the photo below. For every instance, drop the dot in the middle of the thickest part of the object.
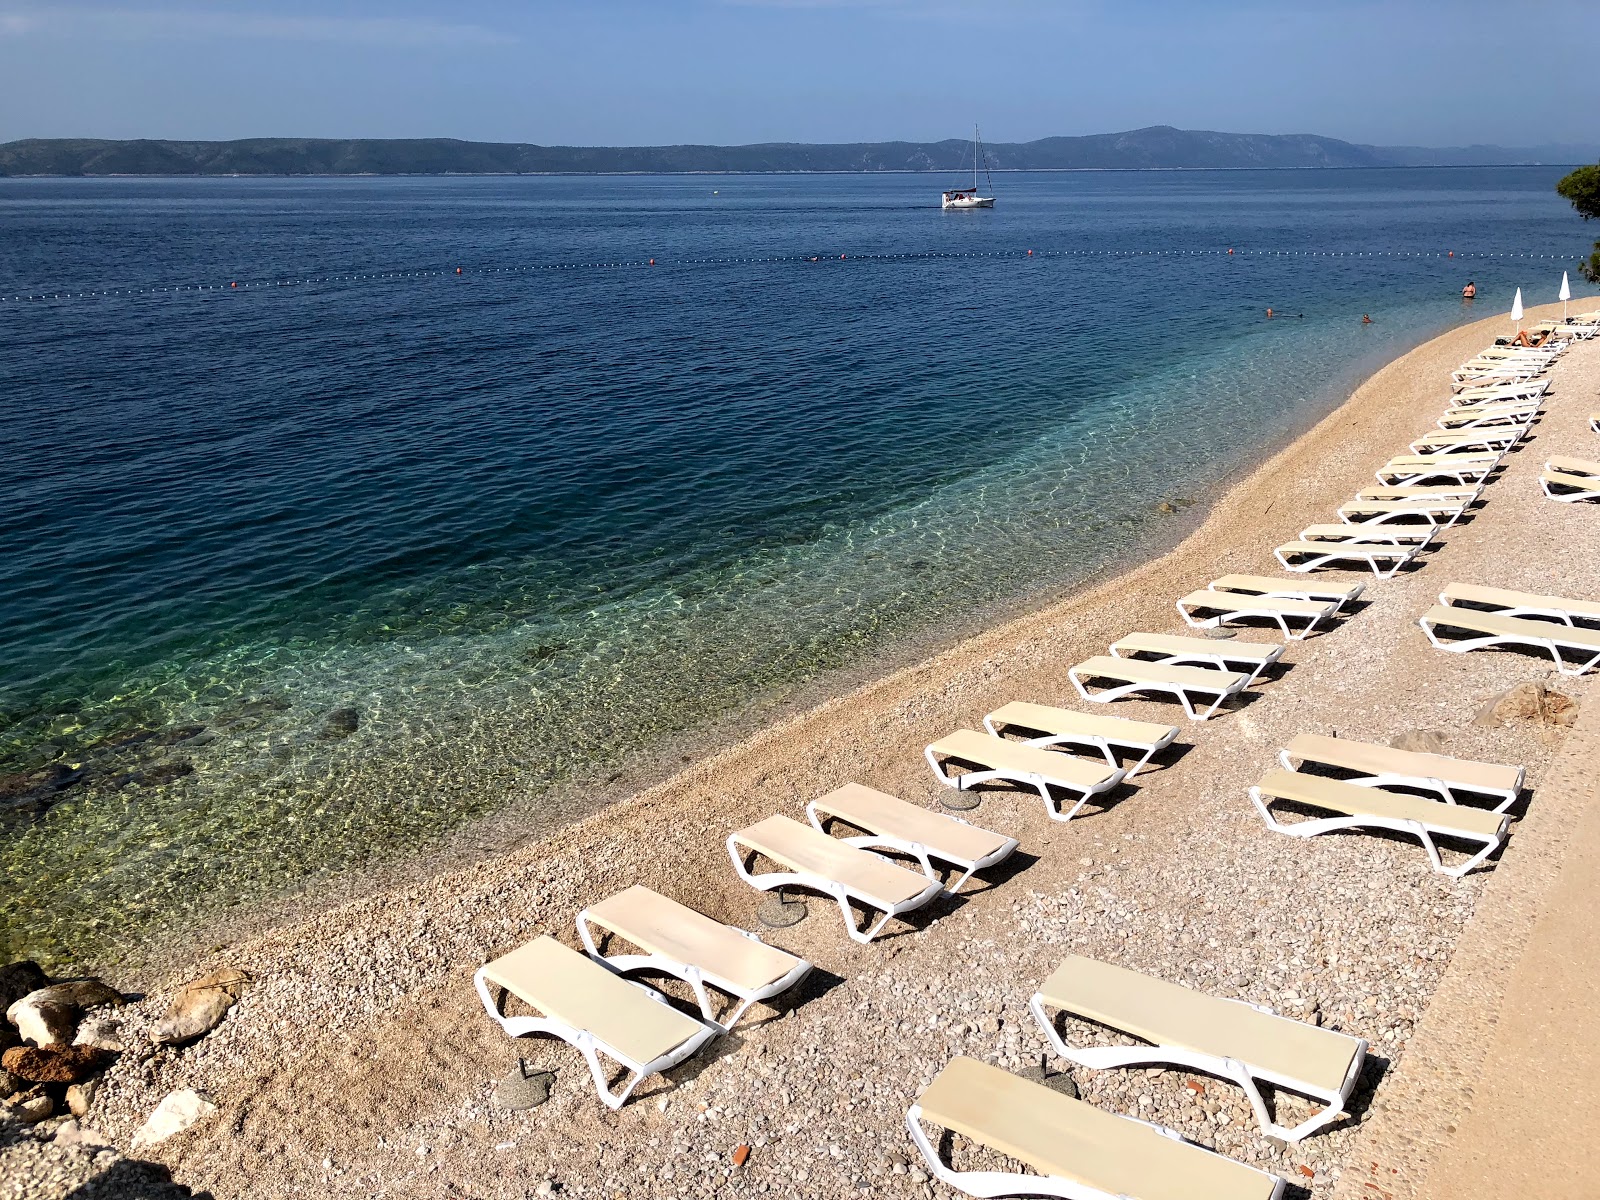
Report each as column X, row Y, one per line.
column 1582, row 188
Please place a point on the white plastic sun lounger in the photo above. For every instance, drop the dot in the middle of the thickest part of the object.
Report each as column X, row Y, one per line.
column 1522, row 604
column 1237, row 606
column 1464, row 470
column 1389, row 533
column 690, row 946
column 1312, row 556
column 991, row 758
column 1442, row 493
column 1293, row 589
column 1042, row 725
column 1594, row 422
column 1459, row 441
column 887, row 821
column 1248, row 658
column 1475, row 416
column 1361, row 807
column 1129, row 675
column 1231, row 1039
column 1530, row 389
column 593, row 1010
column 1398, row 512
column 1484, row 629
column 1570, row 479
column 825, row 864
column 1372, row 765
column 1079, row 1151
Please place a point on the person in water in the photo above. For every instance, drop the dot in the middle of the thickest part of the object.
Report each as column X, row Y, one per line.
column 1366, row 320
column 1269, row 314
column 1468, row 292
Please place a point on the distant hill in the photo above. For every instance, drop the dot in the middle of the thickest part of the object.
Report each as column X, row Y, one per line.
column 1159, row 147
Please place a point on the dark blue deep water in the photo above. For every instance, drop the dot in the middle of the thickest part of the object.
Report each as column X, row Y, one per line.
column 319, row 566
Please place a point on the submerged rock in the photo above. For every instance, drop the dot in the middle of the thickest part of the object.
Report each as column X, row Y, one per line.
column 201, row 1004
column 340, row 723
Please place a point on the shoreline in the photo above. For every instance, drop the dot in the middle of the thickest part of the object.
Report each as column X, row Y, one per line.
column 1179, row 879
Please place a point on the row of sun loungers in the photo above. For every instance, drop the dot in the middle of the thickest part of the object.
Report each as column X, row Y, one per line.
column 1322, row 784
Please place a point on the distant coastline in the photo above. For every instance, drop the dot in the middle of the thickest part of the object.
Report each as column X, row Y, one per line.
column 1160, row 148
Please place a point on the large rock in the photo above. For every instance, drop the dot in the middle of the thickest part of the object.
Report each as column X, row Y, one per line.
column 1532, row 702
column 18, row 979
column 54, row 1064
column 177, row 1112
column 102, row 1032
column 31, row 1107
column 51, row 1014
column 1419, row 741
column 80, row 1097
column 200, row 1005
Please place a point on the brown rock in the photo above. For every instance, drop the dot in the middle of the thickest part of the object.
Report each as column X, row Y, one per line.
column 1530, row 701
column 201, row 1004
column 10, row 1085
column 741, row 1154
column 1419, row 741
column 30, row 1107
column 80, row 1097
column 54, row 1064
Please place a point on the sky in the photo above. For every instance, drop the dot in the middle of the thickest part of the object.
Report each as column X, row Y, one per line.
column 652, row 72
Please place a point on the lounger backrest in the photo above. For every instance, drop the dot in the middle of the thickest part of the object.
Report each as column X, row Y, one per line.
column 1496, row 625
column 568, row 986
column 1266, row 585
column 1583, row 483
column 805, row 851
column 1573, row 466
column 665, row 927
column 1057, row 1135
column 878, row 812
column 1472, row 593
column 1370, row 759
column 1355, row 800
column 1045, row 719
column 1000, row 755
column 1168, row 1014
column 1166, row 643
column 1134, row 670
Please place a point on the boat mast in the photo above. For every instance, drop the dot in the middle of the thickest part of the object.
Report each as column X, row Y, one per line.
column 976, row 142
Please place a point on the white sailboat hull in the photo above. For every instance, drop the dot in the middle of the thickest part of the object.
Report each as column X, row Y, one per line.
column 968, row 202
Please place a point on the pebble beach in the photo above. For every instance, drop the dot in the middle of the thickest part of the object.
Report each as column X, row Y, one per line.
column 358, row 1062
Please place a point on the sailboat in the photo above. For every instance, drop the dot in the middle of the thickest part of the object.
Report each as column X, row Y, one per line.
column 970, row 197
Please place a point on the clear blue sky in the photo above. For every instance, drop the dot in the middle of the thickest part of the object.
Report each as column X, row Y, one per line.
column 614, row 72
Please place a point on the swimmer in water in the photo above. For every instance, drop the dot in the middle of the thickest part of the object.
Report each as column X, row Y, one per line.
column 1468, row 292
column 1366, row 320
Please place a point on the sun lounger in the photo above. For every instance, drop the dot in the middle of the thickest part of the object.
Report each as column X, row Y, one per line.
column 1128, row 676
column 1475, row 416
column 1372, row 765
column 1594, row 422
column 1570, row 479
column 1410, row 470
column 1293, row 589
column 1458, row 441
column 1384, row 561
column 593, row 1010
column 825, row 864
column 992, row 758
column 1522, row 604
column 1042, row 725
column 1236, row 606
column 1079, row 1151
column 681, row 942
column 927, row 836
column 1249, row 658
column 1231, row 1039
column 1396, row 512
column 1361, row 807
column 1442, row 493
column 1493, row 629
column 1389, row 533
column 1530, row 389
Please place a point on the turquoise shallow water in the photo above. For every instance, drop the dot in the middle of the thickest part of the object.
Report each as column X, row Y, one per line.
column 298, row 575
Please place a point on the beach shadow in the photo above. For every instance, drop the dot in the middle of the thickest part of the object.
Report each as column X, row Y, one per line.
column 134, row 1179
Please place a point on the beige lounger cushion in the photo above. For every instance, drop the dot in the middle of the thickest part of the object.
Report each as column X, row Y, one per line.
column 1133, row 670
column 1341, row 549
column 1168, row 1014
column 1354, row 800
column 997, row 754
column 1434, row 508
column 1362, row 534
column 1267, row 585
column 1472, row 593
column 1057, row 1135
column 1456, row 497
column 878, row 812
column 806, row 852
column 1573, row 466
column 1370, row 759
column 1244, row 602
column 1046, row 719
column 1496, row 625
column 661, row 926
column 1453, row 461
column 568, row 986
column 1166, row 643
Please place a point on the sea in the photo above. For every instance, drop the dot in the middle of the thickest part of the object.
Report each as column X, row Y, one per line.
column 337, row 514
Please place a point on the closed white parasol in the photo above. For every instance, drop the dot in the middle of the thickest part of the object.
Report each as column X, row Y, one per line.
column 1516, row 310
column 1564, row 295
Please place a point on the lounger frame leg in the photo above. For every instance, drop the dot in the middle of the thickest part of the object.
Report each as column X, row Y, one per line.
column 1110, row 1057
column 588, row 1046
column 1315, row 826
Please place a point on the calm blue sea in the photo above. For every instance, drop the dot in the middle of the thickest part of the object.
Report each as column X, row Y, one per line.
column 297, row 574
